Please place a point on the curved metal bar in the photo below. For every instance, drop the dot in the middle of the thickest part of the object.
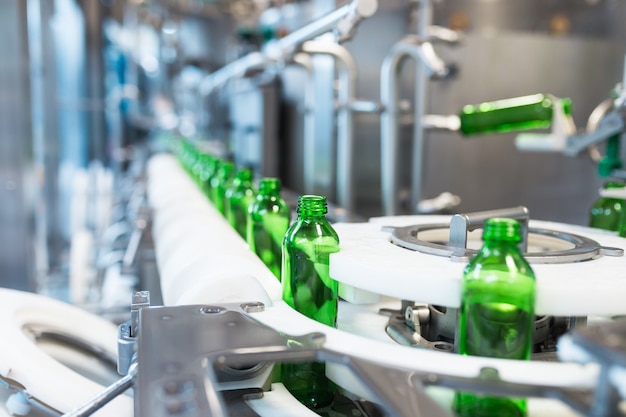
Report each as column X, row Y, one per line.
column 428, row 64
column 424, row 55
column 389, row 119
column 344, row 18
column 345, row 125
column 584, row 248
column 235, row 69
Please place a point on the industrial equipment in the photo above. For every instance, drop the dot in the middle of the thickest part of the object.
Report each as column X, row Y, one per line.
column 357, row 100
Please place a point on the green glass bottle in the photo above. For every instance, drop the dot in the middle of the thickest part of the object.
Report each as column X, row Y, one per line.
column 497, row 312
column 239, row 196
column 268, row 221
column 219, row 184
column 205, row 171
column 209, row 172
column 607, row 211
column 198, row 167
column 308, row 288
column 213, row 181
column 519, row 113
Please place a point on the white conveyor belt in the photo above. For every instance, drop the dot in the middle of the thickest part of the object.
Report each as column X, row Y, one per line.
column 201, row 258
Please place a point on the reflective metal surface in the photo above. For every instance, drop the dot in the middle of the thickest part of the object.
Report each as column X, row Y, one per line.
column 16, row 176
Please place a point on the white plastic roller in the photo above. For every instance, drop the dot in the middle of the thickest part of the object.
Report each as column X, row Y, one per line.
column 198, row 252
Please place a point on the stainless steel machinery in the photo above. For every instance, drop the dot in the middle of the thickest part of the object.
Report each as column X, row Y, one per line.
column 355, row 100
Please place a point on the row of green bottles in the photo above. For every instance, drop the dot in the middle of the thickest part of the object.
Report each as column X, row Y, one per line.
column 261, row 218
column 497, row 313
column 519, row 113
column 308, row 288
column 199, row 164
column 606, row 212
column 233, row 194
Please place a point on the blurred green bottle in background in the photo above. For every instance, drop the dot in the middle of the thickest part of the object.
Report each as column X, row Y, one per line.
column 268, row 221
column 238, row 198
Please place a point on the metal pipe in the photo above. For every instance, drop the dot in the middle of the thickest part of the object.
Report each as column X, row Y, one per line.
column 345, row 127
column 389, row 120
column 428, row 64
column 308, row 136
column 102, row 399
column 237, row 68
column 344, row 19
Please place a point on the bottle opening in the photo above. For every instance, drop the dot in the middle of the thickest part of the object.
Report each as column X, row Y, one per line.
column 502, row 229
column 312, row 205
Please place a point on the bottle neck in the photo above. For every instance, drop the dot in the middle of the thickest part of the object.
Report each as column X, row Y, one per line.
column 269, row 187
column 244, row 175
column 312, row 207
column 503, row 245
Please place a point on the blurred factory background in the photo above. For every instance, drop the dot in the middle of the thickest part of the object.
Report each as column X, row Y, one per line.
column 84, row 84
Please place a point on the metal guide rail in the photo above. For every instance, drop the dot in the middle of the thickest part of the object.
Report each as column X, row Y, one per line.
column 182, row 354
column 582, row 249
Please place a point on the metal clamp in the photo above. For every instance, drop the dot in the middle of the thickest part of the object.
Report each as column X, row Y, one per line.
column 127, row 332
column 460, row 224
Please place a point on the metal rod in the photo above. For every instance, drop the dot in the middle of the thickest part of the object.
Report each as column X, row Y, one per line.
column 360, row 8
column 133, row 245
column 345, row 126
column 428, row 64
column 356, row 9
column 105, row 396
column 235, row 69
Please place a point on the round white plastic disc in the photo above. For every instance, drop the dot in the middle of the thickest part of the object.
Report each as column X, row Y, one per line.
column 43, row 376
column 367, row 259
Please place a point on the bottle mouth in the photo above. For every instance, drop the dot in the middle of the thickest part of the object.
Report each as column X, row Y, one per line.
column 502, row 229
column 312, row 204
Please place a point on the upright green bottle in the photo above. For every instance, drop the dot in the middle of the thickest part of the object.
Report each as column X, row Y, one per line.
column 607, row 210
column 268, row 220
column 219, row 184
column 519, row 113
column 207, row 172
column 497, row 312
column 308, row 288
column 213, row 182
column 239, row 196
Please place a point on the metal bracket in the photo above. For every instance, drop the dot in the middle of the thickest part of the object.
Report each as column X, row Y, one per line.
column 611, row 125
column 177, row 363
column 127, row 332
